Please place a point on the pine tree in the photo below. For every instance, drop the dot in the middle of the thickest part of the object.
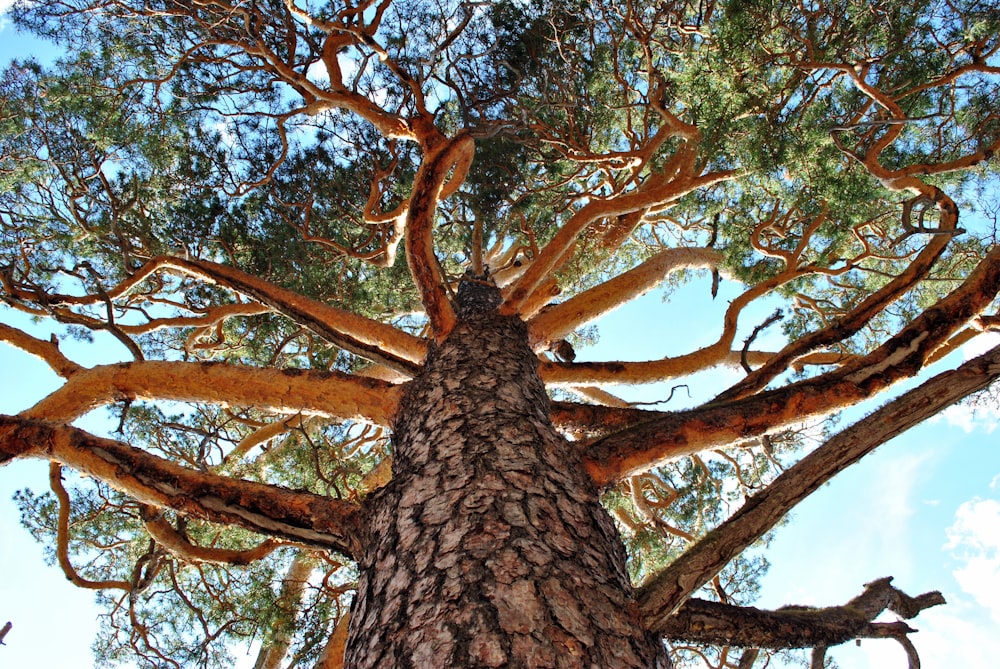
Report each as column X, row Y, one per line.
column 353, row 251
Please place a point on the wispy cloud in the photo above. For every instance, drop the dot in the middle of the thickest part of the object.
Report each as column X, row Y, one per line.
column 974, row 540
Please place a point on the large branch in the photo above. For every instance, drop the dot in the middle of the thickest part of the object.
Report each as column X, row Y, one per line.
column 428, row 190
column 304, row 518
column 560, row 320
column 903, row 356
column 661, row 596
column 289, row 391
column 714, row 623
column 631, row 372
column 362, row 336
column 657, row 191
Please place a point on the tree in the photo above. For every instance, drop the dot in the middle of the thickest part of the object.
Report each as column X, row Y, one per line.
column 351, row 251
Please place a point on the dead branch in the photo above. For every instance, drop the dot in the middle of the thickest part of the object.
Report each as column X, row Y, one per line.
column 715, row 623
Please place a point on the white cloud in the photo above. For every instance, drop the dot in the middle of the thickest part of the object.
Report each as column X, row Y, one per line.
column 4, row 6
column 971, row 418
column 974, row 539
column 980, row 345
column 951, row 636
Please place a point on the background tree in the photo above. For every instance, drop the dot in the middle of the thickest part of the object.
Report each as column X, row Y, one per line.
column 348, row 247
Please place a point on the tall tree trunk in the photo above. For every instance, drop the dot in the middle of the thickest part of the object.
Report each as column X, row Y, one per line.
column 489, row 547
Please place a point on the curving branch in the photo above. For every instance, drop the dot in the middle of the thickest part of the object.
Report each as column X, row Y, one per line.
column 902, row 356
column 300, row 517
column 62, row 538
column 181, row 547
column 46, row 351
column 655, row 192
column 289, row 391
column 562, row 319
column 429, row 187
column 663, row 594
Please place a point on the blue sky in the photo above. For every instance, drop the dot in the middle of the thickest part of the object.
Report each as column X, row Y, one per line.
column 924, row 508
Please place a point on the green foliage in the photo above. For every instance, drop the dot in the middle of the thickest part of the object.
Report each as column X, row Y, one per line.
column 187, row 129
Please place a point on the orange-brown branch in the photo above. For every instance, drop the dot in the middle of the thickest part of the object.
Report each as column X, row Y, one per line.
column 313, row 520
column 428, row 189
column 62, row 538
column 664, row 593
column 332, row 394
column 655, row 192
column 560, row 320
column 362, row 336
column 904, row 355
column 167, row 536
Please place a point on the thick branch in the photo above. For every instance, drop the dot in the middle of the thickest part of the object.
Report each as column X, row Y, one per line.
column 314, row 520
column 903, row 356
column 362, row 336
column 653, row 371
column 701, row 621
column 331, row 394
column 560, row 320
column 428, row 189
column 663, row 594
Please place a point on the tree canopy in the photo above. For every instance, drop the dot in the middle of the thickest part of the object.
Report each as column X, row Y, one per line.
column 271, row 205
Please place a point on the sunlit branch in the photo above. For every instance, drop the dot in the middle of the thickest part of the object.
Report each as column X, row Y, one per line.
column 332, row 656
column 313, row 392
column 183, row 548
column 719, row 423
column 47, row 351
column 430, row 186
column 363, row 336
column 290, row 597
column 264, row 434
column 656, row 191
column 561, row 319
column 653, row 371
column 301, row 517
column 663, row 594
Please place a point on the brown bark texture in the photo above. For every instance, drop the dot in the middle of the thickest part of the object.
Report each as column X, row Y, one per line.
column 489, row 547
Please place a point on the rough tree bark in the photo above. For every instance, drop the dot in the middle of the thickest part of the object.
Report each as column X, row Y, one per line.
column 489, row 546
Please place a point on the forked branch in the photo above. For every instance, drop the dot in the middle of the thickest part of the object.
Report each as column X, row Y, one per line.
column 708, row 622
column 903, row 356
column 663, row 595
